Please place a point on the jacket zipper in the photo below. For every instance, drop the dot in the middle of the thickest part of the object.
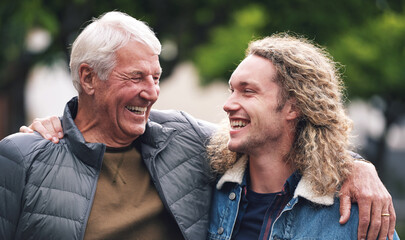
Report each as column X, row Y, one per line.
column 157, row 182
column 93, row 193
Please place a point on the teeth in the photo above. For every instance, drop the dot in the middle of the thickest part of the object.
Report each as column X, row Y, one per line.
column 238, row 124
column 139, row 110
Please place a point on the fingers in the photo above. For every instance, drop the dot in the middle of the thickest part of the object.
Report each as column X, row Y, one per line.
column 39, row 127
column 393, row 218
column 373, row 201
column 57, row 126
column 25, row 129
column 345, row 207
column 385, row 223
column 379, row 224
column 364, row 219
column 50, row 128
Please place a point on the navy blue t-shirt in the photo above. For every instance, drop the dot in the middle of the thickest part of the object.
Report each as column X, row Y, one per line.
column 261, row 210
column 251, row 225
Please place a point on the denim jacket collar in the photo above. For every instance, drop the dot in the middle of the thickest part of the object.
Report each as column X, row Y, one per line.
column 304, row 187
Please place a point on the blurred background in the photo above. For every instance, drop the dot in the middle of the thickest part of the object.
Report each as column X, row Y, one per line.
column 203, row 41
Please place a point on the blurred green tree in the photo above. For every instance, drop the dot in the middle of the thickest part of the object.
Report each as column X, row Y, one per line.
column 373, row 55
column 323, row 21
column 18, row 19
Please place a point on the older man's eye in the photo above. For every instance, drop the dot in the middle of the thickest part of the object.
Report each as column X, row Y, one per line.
column 136, row 79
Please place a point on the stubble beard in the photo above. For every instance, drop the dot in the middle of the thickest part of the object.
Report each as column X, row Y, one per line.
column 248, row 144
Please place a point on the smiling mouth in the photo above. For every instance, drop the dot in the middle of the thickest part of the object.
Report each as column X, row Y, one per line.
column 238, row 124
column 136, row 110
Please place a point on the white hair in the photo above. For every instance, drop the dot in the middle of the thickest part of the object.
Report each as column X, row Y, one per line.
column 97, row 43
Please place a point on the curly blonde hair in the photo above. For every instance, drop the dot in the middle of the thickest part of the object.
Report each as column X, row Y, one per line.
column 306, row 73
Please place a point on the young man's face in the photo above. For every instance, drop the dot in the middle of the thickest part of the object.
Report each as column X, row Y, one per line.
column 124, row 100
column 255, row 121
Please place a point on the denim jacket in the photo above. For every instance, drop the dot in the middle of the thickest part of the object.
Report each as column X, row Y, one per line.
column 306, row 216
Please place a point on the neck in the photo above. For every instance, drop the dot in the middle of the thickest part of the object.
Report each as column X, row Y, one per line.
column 268, row 168
column 93, row 129
column 268, row 175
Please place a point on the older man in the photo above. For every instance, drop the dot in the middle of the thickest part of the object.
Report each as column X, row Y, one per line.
column 151, row 176
column 289, row 126
column 114, row 174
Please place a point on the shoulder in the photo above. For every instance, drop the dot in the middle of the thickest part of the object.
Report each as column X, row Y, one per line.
column 312, row 208
column 19, row 147
column 317, row 221
column 329, row 214
column 182, row 121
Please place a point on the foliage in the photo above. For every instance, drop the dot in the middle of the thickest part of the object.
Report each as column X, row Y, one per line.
column 373, row 56
column 323, row 21
column 227, row 42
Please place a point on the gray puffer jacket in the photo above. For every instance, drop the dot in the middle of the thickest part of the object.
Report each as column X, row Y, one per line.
column 47, row 189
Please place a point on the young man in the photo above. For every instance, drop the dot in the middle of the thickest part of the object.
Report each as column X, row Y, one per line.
column 290, row 131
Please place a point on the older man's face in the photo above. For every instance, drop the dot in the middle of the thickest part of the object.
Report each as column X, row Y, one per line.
column 124, row 100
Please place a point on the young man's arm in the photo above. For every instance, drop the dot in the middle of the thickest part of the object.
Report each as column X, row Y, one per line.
column 50, row 128
column 364, row 187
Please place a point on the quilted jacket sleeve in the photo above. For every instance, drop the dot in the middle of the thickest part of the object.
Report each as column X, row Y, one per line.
column 11, row 187
column 203, row 128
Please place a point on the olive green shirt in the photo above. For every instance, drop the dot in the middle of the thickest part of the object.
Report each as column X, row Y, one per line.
column 126, row 203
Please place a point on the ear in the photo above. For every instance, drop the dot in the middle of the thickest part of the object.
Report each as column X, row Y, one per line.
column 87, row 78
column 293, row 112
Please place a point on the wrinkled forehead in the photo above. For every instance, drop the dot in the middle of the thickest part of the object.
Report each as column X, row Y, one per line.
column 138, row 55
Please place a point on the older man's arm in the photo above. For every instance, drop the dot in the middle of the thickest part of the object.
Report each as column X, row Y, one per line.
column 376, row 212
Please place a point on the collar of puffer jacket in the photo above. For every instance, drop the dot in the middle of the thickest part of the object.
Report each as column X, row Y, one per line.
column 89, row 153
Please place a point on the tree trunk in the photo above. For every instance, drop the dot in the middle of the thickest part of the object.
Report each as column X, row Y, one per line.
column 4, row 120
column 395, row 108
column 12, row 96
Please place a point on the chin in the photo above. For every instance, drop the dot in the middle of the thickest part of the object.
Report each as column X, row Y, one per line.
column 233, row 147
column 239, row 147
column 136, row 131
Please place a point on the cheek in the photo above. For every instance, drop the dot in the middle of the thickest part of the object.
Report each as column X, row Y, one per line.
column 157, row 90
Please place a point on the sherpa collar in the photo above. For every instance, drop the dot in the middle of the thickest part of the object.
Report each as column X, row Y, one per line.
column 304, row 187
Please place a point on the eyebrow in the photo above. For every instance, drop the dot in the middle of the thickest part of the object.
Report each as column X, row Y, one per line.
column 136, row 72
column 244, row 84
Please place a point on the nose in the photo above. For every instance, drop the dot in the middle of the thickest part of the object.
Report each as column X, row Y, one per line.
column 230, row 104
column 150, row 89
